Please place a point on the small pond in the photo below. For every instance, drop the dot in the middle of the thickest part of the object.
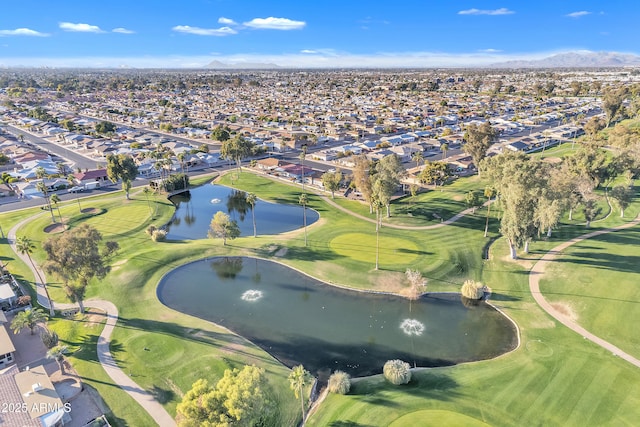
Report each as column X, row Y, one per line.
column 194, row 212
column 300, row 320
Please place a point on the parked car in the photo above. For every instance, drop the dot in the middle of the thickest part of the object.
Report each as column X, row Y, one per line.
column 76, row 189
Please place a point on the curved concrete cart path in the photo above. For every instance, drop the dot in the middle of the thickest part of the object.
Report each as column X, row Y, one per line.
column 140, row 395
column 534, row 286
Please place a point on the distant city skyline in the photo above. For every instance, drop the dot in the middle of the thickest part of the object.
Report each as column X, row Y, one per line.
column 327, row 34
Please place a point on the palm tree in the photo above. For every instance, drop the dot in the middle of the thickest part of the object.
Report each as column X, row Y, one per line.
column 303, row 201
column 303, row 154
column 146, row 192
column 251, row 200
column 377, row 205
column 444, row 147
column 57, row 353
column 43, row 189
column 418, row 157
column 25, row 246
column 55, row 199
column 28, row 319
column 181, row 157
column 72, row 181
column 299, row 378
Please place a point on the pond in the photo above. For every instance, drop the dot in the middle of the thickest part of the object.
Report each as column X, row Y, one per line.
column 300, row 320
column 193, row 213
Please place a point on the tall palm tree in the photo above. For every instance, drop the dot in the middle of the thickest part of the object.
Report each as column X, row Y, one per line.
column 72, row 181
column 303, row 154
column 304, row 200
column 28, row 319
column 56, row 199
column 251, row 200
column 299, row 378
column 25, row 246
column 444, row 148
column 181, row 157
column 418, row 157
column 41, row 186
column 146, row 192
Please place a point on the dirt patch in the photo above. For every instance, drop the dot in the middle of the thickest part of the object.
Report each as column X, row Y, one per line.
column 91, row 316
column 117, row 265
column 92, row 211
column 565, row 309
column 55, row 228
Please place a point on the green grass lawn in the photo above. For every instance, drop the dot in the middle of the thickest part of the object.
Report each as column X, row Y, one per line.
column 554, row 378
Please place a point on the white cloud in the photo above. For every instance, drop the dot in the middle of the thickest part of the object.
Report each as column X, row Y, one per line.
column 23, row 32
column 226, row 21
column 489, row 50
column 501, row 11
column 123, row 31
column 308, row 51
column 578, row 14
column 222, row 31
column 80, row 28
column 272, row 23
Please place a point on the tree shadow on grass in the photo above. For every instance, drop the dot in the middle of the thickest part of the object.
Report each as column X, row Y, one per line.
column 162, row 395
column 310, row 254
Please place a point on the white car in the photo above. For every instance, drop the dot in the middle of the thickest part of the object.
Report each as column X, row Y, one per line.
column 76, row 189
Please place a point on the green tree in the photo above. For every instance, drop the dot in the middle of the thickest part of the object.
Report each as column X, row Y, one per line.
column 122, row 167
column 57, row 353
column 299, row 379
column 612, row 103
column 478, row 140
column 220, row 133
column 362, row 180
column 434, row 173
column 339, row 383
column 472, row 289
column 389, row 172
column 240, row 398
column 223, row 227
column 105, row 127
column 76, row 258
column 331, row 181
column 622, row 196
column 251, row 201
column 28, row 318
column 237, row 149
column 472, row 199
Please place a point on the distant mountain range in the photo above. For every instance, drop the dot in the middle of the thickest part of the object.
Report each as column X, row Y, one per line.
column 217, row 65
column 576, row 60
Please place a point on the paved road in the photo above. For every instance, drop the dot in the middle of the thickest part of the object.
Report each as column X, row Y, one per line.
column 140, row 395
column 534, row 286
column 76, row 160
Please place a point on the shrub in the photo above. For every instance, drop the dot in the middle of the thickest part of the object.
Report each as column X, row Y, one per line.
column 339, row 383
column 397, row 372
column 24, row 300
column 49, row 339
column 159, row 235
column 472, row 289
column 150, row 229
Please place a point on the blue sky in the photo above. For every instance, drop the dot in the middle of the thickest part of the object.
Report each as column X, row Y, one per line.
column 328, row 33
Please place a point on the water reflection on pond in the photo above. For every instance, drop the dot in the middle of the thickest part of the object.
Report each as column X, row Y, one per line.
column 194, row 212
column 301, row 320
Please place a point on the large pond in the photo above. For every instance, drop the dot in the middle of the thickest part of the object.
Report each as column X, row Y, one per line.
column 300, row 320
column 194, row 212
